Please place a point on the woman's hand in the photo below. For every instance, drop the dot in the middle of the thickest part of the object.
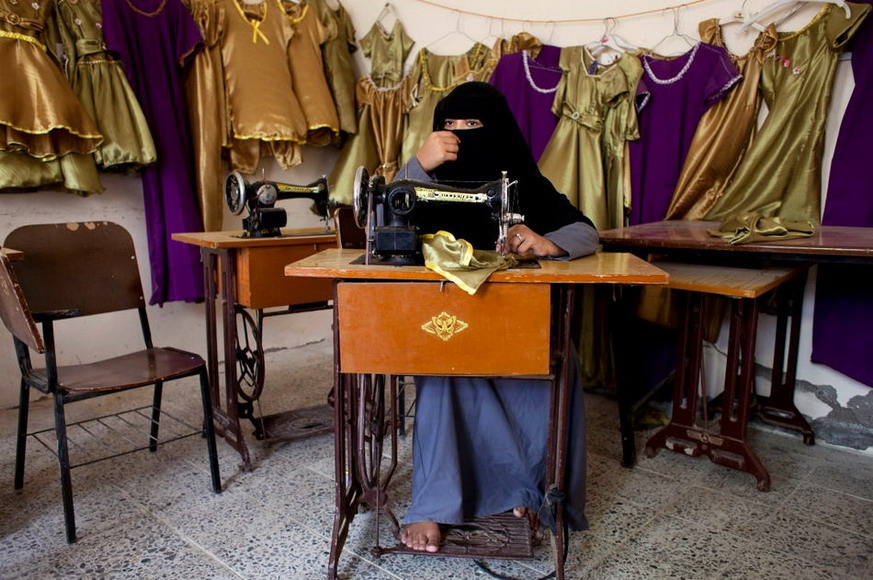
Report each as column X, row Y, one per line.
column 439, row 147
column 524, row 241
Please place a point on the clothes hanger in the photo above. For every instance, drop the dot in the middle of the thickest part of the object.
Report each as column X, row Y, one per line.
column 795, row 5
column 740, row 17
column 387, row 10
column 457, row 31
column 676, row 34
column 491, row 38
column 610, row 45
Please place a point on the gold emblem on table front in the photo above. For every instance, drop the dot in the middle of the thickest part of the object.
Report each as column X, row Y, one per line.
column 445, row 326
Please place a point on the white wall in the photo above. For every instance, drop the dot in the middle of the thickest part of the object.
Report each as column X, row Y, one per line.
column 450, row 32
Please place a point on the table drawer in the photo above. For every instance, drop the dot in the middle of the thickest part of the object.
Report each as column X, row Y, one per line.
column 261, row 281
column 434, row 328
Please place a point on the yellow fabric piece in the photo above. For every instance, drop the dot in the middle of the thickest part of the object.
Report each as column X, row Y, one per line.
column 751, row 227
column 459, row 262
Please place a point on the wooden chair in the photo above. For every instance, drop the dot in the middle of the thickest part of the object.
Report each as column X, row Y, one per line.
column 77, row 270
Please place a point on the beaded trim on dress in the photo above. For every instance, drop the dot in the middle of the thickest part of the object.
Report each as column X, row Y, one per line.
column 525, row 59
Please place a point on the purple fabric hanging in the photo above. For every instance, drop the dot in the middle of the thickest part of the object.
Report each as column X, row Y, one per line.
column 156, row 40
column 843, row 316
column 681, row 89
column 529, row 86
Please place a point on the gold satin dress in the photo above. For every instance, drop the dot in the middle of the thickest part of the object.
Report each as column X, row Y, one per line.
column 781, row 172
column 338, row 70
column 574, row 159
column 725, row 131
column 207, row 112
column 265, row 115
column 46, row 135
column 307, row 72
column 387, row 51
column 381, row 110
column 432, row 77
column 518, row 42
column 98, row 79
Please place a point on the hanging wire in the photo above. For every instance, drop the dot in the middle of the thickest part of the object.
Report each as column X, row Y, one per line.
column 568, row 20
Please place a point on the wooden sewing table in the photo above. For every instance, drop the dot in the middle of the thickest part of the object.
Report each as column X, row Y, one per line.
column 690, row 240
column 407, row 320
column 247, row 273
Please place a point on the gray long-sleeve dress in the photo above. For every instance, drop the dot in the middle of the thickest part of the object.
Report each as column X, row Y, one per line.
column 479, row 444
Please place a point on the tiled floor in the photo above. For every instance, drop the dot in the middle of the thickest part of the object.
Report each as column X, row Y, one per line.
column 153, row 516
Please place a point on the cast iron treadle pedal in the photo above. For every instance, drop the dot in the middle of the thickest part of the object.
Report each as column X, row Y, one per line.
column 502, row 536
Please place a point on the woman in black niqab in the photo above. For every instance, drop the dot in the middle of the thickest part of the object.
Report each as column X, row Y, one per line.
column 483, row 154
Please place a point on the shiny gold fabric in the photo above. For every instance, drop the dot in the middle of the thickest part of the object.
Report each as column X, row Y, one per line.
column 338, row 69
column 749, row 227
column 724, row 132
column 518, row 42
column 583, row 146
column 264, row 112
column 381, row 111
column 456, row 260
column 98, row 79
column 207, row 111
column 377, row 146
column 40, row 116
column 432, row 76
column 781, row 172
column 387, row 51
column 307, row 72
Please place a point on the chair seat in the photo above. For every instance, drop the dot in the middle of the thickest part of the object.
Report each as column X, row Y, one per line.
column 136, row 369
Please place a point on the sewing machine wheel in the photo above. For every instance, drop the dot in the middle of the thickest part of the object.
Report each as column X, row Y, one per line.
column 360, row 187
column 267, row 194
column 235, row 192
column 249, row 356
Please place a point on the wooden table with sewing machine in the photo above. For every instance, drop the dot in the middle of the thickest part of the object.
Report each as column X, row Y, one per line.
column 243, row 271
column 392, row 321
column 691, row 241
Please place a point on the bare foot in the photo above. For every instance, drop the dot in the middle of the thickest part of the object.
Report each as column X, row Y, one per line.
column 421, row 536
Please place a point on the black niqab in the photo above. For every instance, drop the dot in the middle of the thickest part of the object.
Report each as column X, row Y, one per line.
column 483, row 154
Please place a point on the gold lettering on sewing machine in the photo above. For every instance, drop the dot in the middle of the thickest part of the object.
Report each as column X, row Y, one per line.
column 445, row 326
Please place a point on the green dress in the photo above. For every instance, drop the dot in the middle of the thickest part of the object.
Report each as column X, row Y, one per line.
column 337, row 56
column 781, row 172
column 382, row 98
column 99, row 81
column 585, row 156
column 725, row 132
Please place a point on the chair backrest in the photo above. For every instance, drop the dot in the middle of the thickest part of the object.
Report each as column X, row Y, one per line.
column 348, row 234
column 86, row 267
column 14, row 310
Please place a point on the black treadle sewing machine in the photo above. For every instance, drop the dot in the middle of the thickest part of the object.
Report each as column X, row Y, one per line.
column 389, row 211
column 260, row 197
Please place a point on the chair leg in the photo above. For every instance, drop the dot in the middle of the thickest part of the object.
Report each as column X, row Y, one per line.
column 209, row 429
column 64, row 468
column 156, row 416
column 21, row 443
